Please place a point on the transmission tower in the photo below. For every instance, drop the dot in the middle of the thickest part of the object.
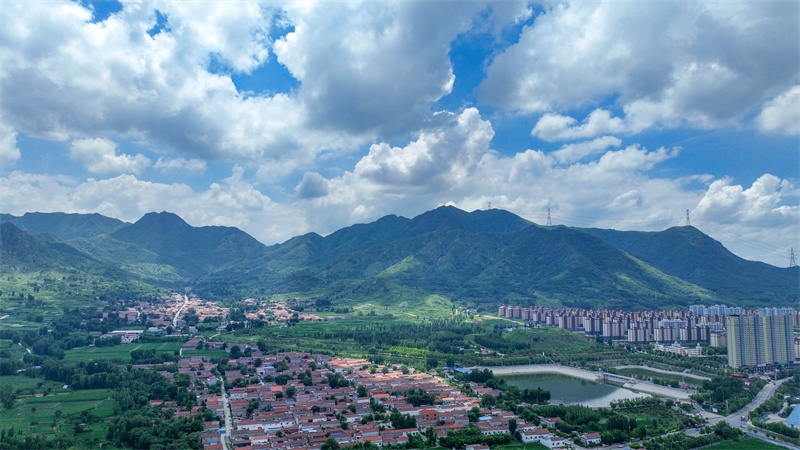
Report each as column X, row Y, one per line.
column 792, row 261
column 687, row 218
column 490, row 205
column 549, row 222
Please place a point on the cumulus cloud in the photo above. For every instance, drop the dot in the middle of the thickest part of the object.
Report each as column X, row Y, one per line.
column 781, row 114
column 100, row 156
column 575, row 152
column 313, row 185
column 440, row 157
column 557, row 127
column 9, row 153
column 180, row 165
column 727, row 203
column 373, row 66
column 667, row 64
column 173, row 89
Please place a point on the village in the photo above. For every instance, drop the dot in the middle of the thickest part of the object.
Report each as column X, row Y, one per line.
column 299, row 400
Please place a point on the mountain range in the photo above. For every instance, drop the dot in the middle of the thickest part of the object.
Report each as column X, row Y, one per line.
column 480, row 258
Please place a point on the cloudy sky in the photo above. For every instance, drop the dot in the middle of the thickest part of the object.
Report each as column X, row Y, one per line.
column 285, row 118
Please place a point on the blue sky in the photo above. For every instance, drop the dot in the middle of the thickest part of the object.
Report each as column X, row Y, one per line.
column 285, row 118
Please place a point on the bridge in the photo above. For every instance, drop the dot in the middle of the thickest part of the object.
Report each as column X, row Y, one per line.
column 618, row 379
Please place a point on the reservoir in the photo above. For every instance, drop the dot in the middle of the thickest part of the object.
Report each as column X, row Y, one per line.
column 571, row 391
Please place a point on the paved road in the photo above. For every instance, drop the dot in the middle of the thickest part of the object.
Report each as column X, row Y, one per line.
column 225, row 438
column 735, row 419
column 178, row 313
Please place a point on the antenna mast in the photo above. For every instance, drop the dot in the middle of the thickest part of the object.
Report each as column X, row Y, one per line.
column 792, row 261
column 687, row 218
column 549, row 222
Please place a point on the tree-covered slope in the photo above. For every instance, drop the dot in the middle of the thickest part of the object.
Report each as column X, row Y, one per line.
column 196, row 250
column 689, row 254
column 66, row 226
column 21, row 252
column 555, row 266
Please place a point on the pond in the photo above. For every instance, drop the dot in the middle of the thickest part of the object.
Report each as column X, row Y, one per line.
column 572, row 391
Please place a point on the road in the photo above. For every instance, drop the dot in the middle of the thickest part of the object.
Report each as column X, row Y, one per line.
column 225, row 438
column 178, row 313
column 735, row 419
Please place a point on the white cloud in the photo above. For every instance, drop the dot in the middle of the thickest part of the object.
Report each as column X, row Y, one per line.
column 100, row 156
column 556, row 127
column 113, row 79
column 313, row 185
column 180, row 165
column 9, row 152
column 666, row 64
column 781, row 114
column 364, row 70
column 373, row 66
column 575, row 152
column 760, row 204
column 439, row 158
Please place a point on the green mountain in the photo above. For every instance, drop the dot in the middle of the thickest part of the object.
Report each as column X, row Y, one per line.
column 555, row 266
column 480, row 258
column 66, row 226
column 193, row 250
column 687, row 253
column 21, row 252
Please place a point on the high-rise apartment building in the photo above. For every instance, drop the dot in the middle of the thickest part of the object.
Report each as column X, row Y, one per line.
column 759, row 340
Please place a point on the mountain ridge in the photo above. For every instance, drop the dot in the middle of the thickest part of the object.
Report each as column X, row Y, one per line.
column 480, row 258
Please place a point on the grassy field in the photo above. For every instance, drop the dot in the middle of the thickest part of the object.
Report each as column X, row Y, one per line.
column 48, row 414
column 120, row 352
column 549, row 339
column 207, row 353
column 746, row 443
column 26, row 386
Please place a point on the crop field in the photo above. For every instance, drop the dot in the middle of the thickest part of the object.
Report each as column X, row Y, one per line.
column 26, row 386
column 43, row 414
column 122, row 352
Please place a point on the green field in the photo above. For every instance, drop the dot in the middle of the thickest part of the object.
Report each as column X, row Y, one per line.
column 121, row 352
column 207, row 353
column 746, row 443
column 26, row 386
column 48, row 414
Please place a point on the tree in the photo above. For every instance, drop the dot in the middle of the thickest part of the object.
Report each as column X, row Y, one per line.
column 361, row 391
column 8, row 395
column 512, row 426
column 330, row 444
column 236, row 352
